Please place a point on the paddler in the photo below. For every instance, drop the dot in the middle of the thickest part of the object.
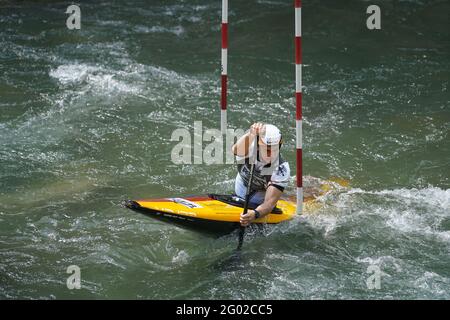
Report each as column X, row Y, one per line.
column 271, row 174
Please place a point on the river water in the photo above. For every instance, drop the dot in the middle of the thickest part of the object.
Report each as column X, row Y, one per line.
column 86, row 121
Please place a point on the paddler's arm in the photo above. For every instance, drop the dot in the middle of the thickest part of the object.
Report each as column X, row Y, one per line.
column 240, row 148
column 273, row 194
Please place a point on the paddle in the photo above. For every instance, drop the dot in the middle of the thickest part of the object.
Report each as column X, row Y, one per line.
column 247, row 195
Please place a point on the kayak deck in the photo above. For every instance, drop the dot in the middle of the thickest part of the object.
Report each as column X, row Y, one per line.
column 214, row 213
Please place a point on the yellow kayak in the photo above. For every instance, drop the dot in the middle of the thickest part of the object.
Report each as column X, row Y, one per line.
column 219, row 214
column 214, row 213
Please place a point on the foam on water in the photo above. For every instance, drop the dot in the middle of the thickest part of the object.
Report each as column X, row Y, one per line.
column 177, row 30
column 419, row 211
column 95, row 77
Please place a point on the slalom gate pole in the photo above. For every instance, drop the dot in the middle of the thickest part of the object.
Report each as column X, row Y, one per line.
column 298, row 102
column 224, row 71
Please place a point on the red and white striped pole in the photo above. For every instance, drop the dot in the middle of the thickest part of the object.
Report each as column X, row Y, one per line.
column 223, row 100
column 298, row 102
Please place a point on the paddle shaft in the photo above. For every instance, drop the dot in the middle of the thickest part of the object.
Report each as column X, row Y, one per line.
column 247, row 195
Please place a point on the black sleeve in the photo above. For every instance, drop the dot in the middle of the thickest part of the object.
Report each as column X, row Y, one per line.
column 276, row 186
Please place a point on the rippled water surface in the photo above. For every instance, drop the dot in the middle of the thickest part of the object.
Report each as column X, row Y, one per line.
column 86, row 118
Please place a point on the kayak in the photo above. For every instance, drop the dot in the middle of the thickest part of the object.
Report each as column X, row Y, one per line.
column 214, row 213
column 218, row 214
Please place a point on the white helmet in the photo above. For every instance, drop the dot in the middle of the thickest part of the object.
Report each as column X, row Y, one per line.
column 271, row 135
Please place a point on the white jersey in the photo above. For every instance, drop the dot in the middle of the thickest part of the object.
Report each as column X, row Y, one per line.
column 276, row 174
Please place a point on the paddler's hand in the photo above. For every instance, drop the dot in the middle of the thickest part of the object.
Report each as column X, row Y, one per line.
column 247, row 218
column 257, row 129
